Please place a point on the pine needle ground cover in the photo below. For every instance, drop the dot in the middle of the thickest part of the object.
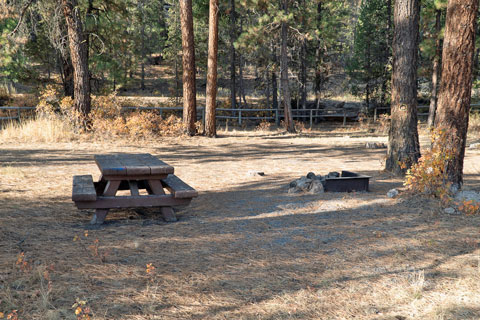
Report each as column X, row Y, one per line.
column 245, row 248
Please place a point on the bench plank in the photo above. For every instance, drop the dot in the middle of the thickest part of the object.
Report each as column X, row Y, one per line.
column 83, row 188
column 178, row 188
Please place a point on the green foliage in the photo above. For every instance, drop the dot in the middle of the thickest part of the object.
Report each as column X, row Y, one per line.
column 370, row 65
column 13, row 61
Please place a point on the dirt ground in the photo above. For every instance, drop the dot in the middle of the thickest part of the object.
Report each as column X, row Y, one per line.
column 244, row 249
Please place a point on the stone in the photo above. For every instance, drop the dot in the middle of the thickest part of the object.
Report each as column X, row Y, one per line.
column 253, row 173
column 449, row 210
column 474, row 146
column 467, row 195
column 311, row 175
column 375, row 145
column 303, row 183
column 392, row 193
column 333, row 174
column 316, row 187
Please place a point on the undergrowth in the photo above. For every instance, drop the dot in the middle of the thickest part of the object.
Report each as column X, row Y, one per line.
column 429, row 176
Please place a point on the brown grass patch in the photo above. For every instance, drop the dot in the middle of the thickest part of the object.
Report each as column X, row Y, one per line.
column 244, row 249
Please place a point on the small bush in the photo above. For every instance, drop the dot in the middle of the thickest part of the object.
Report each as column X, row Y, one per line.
column 429, row 175
column 263, row 126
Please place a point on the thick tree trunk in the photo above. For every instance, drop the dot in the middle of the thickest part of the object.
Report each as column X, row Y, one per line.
column 456, row 83
column 403, row 145
column 189, row 90
column 286, row 99
column 66, row 69
column 436, row 70
column 211, row 97
column 78, row 55
column 233, row 36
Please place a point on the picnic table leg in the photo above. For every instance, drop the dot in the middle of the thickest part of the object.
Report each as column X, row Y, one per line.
column 110, row 191
column 167, row 212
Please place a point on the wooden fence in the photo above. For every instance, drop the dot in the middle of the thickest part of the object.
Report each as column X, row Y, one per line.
column 241, row 115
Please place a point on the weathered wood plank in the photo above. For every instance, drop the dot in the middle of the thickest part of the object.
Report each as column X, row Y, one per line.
column 83, row 188
column 132, row 202
column 110, row 165
column 178, row 188
column 133, row 187
column 167, row 212
column 135, row 177
column 134, row 165
column 156, row 166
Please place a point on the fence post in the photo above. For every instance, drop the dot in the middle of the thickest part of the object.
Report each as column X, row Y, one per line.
column 277, row 120
column 239, row 117
column 311, row 118
column 344, row 117
column 18, row 114
column 375, row 114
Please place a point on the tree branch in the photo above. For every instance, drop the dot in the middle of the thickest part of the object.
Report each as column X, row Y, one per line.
column 21, row 18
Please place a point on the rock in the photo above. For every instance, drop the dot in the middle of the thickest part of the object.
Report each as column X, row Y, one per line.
column 253, row 173
column 375, row 145
column 333, row 174
column 303, row 183
column 474, row 146
column 316, row 187
column 392, row 193
column 467, row 195
column 450, row 210
column 299, row 185
column 311, row 175
column 293, row 190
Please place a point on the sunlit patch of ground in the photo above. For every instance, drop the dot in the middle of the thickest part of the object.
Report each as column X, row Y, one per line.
column 245, row 248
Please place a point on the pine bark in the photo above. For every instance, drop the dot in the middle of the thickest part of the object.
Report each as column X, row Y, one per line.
column 456, row 83
column 436, row 69
column 78, row 55
column 188, row 55
column 211, row 95
column 286, row 99
column 403, row 145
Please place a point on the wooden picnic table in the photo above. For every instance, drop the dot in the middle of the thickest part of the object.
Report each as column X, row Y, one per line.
column 133, row 172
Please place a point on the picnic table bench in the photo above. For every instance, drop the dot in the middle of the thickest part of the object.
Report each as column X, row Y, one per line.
column 133, row 172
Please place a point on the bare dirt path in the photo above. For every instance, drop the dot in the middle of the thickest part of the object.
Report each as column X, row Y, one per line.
column 244, row 249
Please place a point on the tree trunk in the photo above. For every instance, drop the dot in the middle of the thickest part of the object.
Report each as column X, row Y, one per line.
column 303, row 74
column 142, row 36
column 403, row 145
column 241, row 87
column 436, row 70
column 78, row 54
column 319, row 58
column 66, row 69
column 456, row 83
column 211, row 95
column 233, row 36
column 286, row 99
column 189, row 90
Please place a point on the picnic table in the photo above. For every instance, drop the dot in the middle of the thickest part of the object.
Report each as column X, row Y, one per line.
column 133, row 172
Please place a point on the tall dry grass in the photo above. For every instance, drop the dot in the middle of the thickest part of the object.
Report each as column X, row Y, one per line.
column 47, row 130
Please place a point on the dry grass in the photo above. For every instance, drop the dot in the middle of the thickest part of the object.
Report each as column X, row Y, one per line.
column 244, row 249
column 48, row 130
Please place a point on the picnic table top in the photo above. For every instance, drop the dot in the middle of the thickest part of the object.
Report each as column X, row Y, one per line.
column 131, row 164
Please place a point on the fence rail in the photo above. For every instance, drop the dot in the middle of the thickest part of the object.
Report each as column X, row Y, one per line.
column 17, row 113
column 246, row 114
